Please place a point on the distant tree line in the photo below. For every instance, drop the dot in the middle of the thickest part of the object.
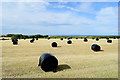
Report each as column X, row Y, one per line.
column 20, row 36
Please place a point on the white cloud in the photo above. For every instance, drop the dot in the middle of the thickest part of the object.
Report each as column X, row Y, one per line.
column 35, row 16
column 107, row 20
column 85, row 7
column 107, row 15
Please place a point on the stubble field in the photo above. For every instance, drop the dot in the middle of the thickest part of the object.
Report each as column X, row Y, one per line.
column 76, row 60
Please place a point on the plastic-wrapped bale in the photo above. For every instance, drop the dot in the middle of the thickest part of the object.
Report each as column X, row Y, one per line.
column 107, row 38
column 36, row 38
column 31, row 41
column 93, row 38
column 85, row 40
column 109, row 41
column 68, row 38
column 48, row 62
column 114, row 37
column 69, row 42
column 95, row 47
column 48, row 38
column 97, row 39
column 76, row 38
column 54, row 44
column 61, row 38
column 15, row 41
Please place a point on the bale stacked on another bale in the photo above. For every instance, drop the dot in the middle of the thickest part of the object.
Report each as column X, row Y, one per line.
column 54, row 44
column 95, row 47
column 48, row 62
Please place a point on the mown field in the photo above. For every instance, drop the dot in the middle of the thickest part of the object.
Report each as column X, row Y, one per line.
column 75, row 61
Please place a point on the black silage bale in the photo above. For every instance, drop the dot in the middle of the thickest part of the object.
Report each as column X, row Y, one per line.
column 95, row 47
column 54, row 44
column 109, row 41
column 85, row 40
column 69, row 42
column 48, row 62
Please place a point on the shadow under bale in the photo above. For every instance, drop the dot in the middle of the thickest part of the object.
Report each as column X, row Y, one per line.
column 109, row 41
column 63, row 67
column 48, row 62
column 96, row 47
column 54, row 44
column 69, row 42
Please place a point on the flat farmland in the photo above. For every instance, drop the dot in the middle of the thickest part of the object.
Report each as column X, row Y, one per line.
column 76, row 60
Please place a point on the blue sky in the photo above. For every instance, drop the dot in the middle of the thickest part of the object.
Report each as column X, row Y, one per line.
column 60, row 18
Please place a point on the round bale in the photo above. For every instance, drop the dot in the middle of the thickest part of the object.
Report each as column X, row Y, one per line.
column 109, row 41
column 61, row 39
column 15, row 41
column 48, row 62
column 69, row 42
column 93, row 38
column 97, row 39
column 107, row 38
column 85, row 40
column 36, row 38
column 31, row 41
column 48, row 38
column 54, row 44
column 114, row 37
column 95, row 47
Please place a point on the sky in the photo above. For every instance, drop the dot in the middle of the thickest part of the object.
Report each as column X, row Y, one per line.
column 60, row 18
